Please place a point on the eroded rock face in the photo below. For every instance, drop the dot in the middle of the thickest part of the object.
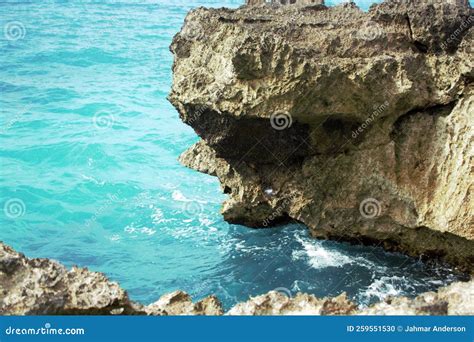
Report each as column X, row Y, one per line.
column 276, row 303
column 360, row 125
column 45, row 287
column 456, row 299
column 180, row 303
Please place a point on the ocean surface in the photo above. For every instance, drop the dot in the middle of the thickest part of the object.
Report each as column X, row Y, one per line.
column 89, row 173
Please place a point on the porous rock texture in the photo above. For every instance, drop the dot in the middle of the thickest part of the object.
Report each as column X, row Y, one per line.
column 357, row 124
column 45, row 287
column 277, row 303
column 455, row 299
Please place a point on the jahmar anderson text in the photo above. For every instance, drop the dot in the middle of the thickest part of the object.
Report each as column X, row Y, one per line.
column 436, row 328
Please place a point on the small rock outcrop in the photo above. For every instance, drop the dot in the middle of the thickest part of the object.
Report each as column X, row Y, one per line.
column 180, row 303
column 357, row 124
column 276, row 303
column 45, row 287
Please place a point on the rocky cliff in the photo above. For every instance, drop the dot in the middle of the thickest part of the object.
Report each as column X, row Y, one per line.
column 357, row 124
column 45, row 287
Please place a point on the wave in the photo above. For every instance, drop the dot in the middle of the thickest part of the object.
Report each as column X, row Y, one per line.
column 382, row 288
column 318, row 256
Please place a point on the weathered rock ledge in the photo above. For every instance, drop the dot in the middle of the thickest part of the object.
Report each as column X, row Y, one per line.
column 45, row 287
column 357, row 124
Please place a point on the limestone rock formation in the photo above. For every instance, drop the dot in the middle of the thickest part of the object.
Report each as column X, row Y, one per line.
column 180, row 303
column 357, row 124
column 276, row 303
column 456, row 299
column 45, row 287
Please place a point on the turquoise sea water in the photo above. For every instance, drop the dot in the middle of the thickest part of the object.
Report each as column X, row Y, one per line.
column 89, row 173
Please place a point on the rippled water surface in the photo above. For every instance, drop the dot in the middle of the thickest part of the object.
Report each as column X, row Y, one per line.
column 89, row 171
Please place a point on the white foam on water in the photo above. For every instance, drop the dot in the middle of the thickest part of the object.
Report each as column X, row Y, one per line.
column 242, row 247
column 364, row 262
column 319, row 256
column 115, row 238
column 92, row 179
column 206, row 222
column 178, row 196
column 382, row 288
column 158, row 217
column 130, row 229
column 147, row 231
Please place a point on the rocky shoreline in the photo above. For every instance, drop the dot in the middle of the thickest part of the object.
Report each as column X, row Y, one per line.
column 45, row 287
column 357, row 124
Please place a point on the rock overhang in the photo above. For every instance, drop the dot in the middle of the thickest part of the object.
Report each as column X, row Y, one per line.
column 311, row 101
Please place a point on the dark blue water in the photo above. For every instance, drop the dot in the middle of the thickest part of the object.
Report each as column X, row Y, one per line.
column 89, row 172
